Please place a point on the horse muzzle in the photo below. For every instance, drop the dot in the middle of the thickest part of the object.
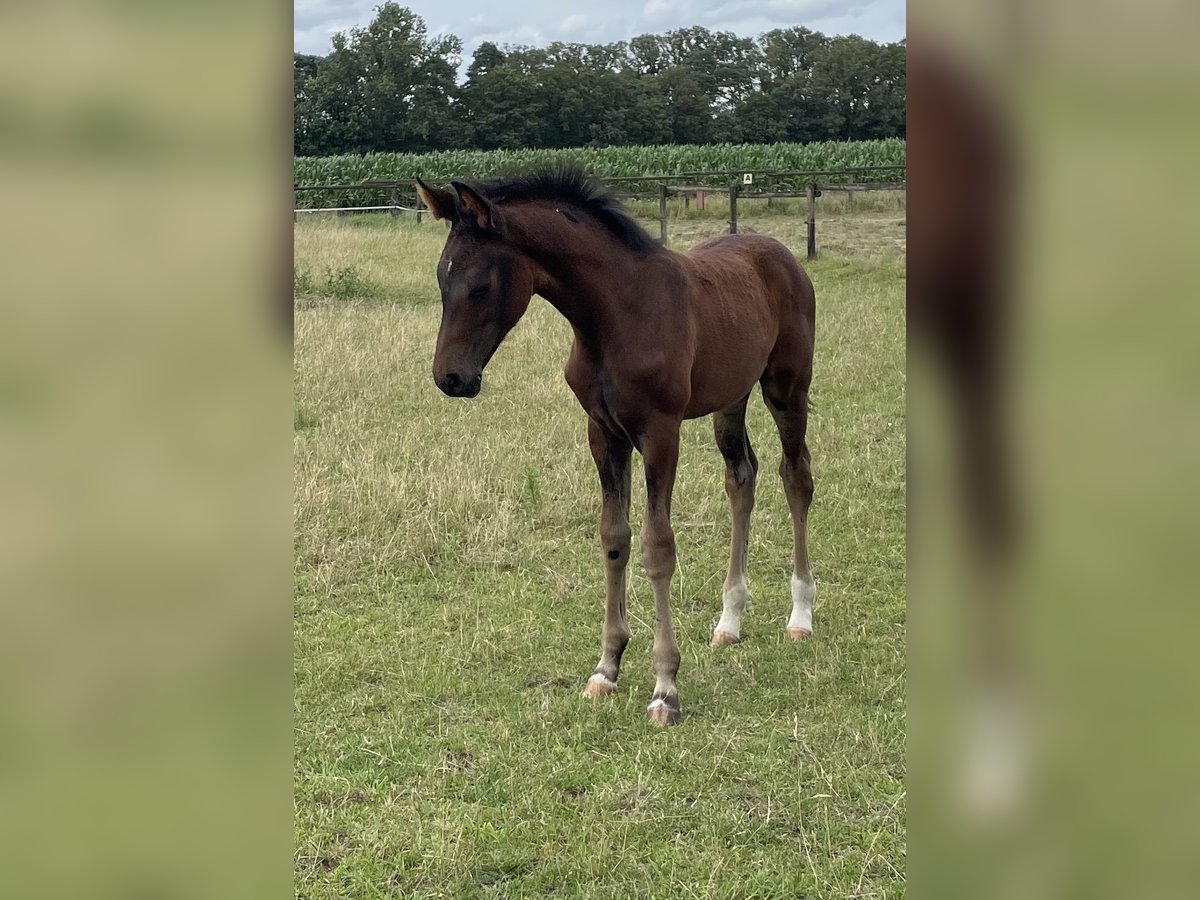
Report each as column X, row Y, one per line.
column 452, row 384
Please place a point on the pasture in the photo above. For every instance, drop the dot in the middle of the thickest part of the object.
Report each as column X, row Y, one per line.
column 449, row 595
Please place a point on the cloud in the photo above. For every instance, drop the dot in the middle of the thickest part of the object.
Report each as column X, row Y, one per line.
column 538, row 22
column 307, row 15
column 576, row 23
column 667, row 10
column 798, row 10
column 522, row 35
column 317, row 38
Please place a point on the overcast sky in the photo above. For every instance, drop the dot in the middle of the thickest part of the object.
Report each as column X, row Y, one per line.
column 538, row 22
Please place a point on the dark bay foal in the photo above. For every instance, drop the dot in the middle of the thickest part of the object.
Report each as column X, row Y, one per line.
column 659, row 337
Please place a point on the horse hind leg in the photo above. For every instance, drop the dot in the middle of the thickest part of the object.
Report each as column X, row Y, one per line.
column 787, row 399
column 741, row 471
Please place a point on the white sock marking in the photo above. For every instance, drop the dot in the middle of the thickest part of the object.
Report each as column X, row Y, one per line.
column 994, row 756
column 664, row 688
column 803, row 592
column 608, row 683
column 732, row 606
column 656, row 703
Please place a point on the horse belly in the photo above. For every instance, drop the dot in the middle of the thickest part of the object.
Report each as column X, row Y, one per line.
column 733, row 344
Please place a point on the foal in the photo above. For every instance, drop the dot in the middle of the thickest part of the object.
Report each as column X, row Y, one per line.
column 659, row 337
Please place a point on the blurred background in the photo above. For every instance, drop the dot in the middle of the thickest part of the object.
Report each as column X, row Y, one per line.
column 145, row 629
column 1052, row 423
column 145, row 486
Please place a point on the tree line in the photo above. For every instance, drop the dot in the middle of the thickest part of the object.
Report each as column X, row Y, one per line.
column 392, row 87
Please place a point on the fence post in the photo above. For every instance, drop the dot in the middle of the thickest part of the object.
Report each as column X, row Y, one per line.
column 420, row 209
column 394, row 200
column 733, row 193
column 662, row 211
column 810, row 195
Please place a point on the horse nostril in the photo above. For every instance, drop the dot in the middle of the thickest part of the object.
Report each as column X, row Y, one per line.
column 454, row 384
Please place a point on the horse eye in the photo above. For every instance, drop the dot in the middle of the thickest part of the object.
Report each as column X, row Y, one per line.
column 478, row 293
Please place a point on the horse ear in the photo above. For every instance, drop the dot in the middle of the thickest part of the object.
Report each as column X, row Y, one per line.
column 479, row 208
column 440, row 203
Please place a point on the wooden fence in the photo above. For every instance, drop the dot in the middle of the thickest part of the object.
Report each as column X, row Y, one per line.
column 751, row 184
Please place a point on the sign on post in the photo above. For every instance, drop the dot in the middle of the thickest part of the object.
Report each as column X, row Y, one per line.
column 748, row 178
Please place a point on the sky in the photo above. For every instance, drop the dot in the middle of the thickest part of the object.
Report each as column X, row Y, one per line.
column 539, row 22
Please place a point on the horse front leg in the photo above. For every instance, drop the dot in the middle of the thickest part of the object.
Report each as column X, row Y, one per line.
column 660, row 451
column 611, row 453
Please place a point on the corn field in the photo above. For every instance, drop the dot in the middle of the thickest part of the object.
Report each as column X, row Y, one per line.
column 606, row 162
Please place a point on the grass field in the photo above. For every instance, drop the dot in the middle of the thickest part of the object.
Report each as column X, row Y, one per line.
column 449, row 591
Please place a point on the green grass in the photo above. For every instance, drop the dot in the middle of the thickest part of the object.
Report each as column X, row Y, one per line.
column 449, row 591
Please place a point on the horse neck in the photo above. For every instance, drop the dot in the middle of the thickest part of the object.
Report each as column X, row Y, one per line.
column 586, row 271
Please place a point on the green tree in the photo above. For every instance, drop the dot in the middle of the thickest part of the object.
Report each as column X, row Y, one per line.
column 307, row 128
column 842, row 70
column 502, row 104
column 787, row 52
column 388, row 86
column 886, row 92
column 723, row 64
column 761, row 118
column 689, row 112
column 649, row 54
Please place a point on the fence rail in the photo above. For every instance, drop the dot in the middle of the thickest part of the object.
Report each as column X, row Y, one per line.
column 736, row 184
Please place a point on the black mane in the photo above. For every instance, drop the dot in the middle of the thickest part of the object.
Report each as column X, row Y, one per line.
column 573, row 187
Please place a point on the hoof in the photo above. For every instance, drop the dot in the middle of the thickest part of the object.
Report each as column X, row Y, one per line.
column 598, row 686
column 724, row 639
column 663, row 711
column 798, row 634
